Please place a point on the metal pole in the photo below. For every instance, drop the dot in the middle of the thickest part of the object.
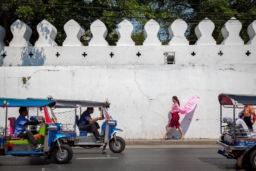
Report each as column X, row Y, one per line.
column 234, row 121
column 75, row 119
column 6, row 115
column 37, row 111
column 28, row 113
column 53, row 115
column 220, row 118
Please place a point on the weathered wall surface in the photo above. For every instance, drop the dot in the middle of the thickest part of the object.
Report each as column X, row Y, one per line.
column 136, row 79
column 140, row 96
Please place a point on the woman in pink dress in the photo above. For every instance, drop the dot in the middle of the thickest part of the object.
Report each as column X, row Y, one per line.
column 175, row 118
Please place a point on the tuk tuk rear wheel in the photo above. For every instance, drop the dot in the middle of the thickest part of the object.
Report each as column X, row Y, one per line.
column 253, row 159
column 118, row 145
column 65, row 156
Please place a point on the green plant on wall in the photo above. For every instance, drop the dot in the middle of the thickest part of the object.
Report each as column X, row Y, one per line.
column 25, row 80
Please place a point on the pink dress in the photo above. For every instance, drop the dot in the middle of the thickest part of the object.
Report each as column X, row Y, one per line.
column 175, row 115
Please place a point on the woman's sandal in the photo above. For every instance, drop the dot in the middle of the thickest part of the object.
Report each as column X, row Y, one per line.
column 164, row 138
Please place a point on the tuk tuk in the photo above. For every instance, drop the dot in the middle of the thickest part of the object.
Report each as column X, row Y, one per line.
column 87, row 139
column 238, row 141
column 47, row 133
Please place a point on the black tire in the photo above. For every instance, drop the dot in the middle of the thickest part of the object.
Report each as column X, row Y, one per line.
column 117, row 147
column 253, row 159
column 67, row 154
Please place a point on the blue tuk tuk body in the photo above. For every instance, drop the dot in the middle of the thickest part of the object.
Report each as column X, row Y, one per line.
column 49, row 134
column 238, row 141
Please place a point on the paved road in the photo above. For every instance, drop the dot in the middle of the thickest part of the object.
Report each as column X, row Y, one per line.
column 134, row 158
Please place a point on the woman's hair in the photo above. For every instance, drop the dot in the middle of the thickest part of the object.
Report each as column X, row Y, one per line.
column 176, row 99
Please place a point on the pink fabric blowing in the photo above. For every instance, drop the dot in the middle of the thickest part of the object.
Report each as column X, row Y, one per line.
column 189, row 106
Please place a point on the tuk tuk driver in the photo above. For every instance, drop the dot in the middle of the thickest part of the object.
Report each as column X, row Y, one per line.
column 21, row 124
column 87, row 123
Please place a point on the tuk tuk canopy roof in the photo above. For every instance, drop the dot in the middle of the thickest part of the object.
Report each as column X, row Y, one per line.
column 12, row 102
column 79, row 103
column 60, row 103
column 237, row 99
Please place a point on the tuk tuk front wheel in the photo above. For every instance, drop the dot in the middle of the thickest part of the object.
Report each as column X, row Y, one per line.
column 253, row 159
column 63, row 157
column 118, row 145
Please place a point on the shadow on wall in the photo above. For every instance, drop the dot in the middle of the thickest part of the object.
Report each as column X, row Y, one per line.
column 18, row 24
column 32, row 57
column 185, row 123
column 47, row 34
column 44, row 30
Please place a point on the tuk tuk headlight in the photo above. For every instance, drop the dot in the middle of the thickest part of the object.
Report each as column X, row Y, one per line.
column 61, row 127
column 112, row 123
column 52, row 127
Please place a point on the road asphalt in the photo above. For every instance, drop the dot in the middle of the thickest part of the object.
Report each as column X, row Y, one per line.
column 133, row 158
column 171, row 142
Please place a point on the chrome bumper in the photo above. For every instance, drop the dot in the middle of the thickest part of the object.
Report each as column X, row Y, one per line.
column 228, row 147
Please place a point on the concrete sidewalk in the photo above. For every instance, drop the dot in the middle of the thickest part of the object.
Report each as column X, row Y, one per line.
column 171, row 142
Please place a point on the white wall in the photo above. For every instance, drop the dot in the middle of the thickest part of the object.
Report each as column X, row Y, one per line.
column 140, row 89
column 150, row 55
column 140, row 96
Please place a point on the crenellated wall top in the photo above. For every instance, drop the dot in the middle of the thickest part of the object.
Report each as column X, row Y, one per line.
column 47, row 33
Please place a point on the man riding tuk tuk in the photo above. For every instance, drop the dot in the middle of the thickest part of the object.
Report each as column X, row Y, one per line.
column 238, row 140
column 47, row 132
column 86, row 138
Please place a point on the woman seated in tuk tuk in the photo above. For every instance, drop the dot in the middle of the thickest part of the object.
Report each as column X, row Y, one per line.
column 248, row 115
column 21, row 124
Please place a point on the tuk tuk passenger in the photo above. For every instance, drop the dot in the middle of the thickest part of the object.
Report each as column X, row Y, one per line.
column 21, row 124
column 248, row 115
column 87, row 123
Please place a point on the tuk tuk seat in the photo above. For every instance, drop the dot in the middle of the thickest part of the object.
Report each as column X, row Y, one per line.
column 12, row 121
column 12, row 138
column 37, row 136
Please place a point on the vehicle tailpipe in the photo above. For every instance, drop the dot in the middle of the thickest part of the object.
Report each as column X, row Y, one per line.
column 227, row 155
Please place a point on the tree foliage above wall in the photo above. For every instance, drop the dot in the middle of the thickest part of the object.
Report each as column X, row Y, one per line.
column 219, row 11
column 112, row 12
